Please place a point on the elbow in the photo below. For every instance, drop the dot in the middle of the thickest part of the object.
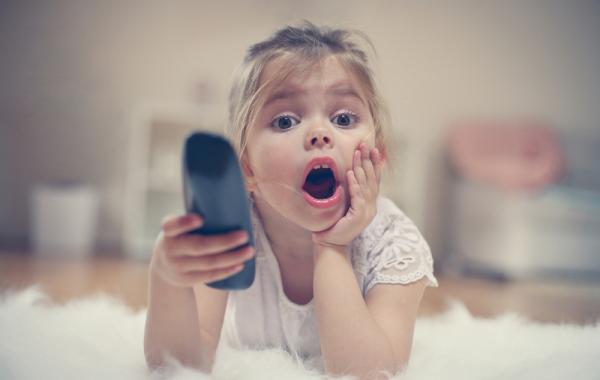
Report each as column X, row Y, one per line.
column 381, row 368
column 154, row 362
column 376, row 373
column 382, row 372
column 158, row 359
column 157, row 362
column 154, row 358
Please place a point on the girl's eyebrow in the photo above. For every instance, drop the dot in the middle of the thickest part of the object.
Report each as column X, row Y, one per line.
column 344, row 89
column 337, row 89
column 283, row 94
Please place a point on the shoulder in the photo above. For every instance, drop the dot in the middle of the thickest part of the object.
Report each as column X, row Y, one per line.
column 390, row 221
column 385, row 225
column 392, row 249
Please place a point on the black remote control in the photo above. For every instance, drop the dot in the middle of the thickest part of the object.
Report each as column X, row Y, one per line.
column 213, row 187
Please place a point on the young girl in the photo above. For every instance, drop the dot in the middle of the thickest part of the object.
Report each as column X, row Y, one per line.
column 340, row 270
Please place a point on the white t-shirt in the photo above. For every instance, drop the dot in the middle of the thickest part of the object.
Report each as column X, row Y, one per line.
column 390, row 250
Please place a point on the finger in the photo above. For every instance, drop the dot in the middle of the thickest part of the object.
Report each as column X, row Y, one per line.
column 364, row 152
column 369, row 170
column 174, row 225
column 198, row 245
column 377, row 163
column 217, row 261
column 356, row 196
column 205, row 277
column 359, row 172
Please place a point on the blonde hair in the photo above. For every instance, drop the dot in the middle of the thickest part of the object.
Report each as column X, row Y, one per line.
column 311, row 44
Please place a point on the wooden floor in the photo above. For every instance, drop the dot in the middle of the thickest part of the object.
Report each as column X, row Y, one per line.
column 65, row 279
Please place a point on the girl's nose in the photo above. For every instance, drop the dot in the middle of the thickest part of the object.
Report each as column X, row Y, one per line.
column 318, row 138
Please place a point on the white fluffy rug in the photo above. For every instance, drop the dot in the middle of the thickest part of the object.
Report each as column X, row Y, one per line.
column 101, row 338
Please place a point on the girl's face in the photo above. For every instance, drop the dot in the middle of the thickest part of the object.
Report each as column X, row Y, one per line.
column 311, row 119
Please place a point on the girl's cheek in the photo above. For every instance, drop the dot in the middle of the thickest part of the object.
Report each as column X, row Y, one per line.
column 272, row 162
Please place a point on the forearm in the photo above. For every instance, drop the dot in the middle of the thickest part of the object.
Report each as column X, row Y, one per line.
column 172, row 327
column 351, row 341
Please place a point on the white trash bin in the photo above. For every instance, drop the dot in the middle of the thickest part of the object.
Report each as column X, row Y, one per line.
column 63, row 219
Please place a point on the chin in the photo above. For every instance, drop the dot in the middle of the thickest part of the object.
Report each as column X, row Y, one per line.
column 325, row 219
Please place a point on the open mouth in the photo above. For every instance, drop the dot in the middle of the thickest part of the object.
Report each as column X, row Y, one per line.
column 320, row 183
column 321, row 188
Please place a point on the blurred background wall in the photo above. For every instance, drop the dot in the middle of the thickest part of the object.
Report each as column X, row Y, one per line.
column 73, row 72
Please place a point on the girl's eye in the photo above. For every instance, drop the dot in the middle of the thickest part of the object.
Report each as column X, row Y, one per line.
column 284, row 122
column 345, row 119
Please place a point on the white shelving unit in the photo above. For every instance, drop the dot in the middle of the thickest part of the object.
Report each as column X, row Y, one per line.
column 154, row 172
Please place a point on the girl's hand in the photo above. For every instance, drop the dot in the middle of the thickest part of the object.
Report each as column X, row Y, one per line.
column 184, row 260
column 363, row 186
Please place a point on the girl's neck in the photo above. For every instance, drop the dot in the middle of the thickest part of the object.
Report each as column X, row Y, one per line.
column 289, row 241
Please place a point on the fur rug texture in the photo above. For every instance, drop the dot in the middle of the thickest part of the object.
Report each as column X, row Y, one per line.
column 101, row 338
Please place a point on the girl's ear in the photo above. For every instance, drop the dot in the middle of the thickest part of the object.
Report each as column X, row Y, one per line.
column 248, row 174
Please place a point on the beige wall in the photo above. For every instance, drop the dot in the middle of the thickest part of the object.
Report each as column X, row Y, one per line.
column 73, row 72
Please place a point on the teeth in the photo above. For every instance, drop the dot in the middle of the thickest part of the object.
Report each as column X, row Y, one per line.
column 324, row 166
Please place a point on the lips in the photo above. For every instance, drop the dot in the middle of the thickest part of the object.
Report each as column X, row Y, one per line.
column 321, row 188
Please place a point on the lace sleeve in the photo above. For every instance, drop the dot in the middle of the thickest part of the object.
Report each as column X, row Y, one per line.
column 396, row 253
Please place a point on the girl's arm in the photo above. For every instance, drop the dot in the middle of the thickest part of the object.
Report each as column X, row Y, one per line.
column 362, row 338
column 183, row 322
column 185, row 317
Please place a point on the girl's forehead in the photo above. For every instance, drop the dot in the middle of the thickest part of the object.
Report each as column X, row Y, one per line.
column 293, row 71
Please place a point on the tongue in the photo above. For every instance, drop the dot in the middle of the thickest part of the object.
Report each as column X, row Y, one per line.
column 319, row 189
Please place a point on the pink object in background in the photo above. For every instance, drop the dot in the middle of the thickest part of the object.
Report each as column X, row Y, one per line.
column 513, row 156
